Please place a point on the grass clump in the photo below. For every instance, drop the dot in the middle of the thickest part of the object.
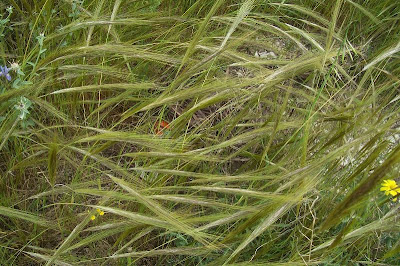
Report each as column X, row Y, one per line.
column 199, row 132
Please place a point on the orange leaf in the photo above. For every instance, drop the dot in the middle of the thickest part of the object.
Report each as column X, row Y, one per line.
column 159, row 126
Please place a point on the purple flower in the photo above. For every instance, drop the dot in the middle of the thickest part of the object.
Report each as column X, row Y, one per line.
column 4, row 72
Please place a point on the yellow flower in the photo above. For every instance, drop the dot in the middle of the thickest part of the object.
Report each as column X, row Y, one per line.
column 101, row 213
column 390, row 187
column 92, row 217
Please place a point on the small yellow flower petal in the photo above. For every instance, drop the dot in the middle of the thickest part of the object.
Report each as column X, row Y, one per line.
column 101, row 213
column 392, row 184
column 394, row 200
column 393, row 193
column 92, row 217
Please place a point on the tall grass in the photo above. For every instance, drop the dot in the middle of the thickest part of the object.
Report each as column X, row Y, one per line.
column 283, row 119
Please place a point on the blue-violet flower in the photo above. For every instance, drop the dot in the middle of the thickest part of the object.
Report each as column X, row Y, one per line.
column 4, row 72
